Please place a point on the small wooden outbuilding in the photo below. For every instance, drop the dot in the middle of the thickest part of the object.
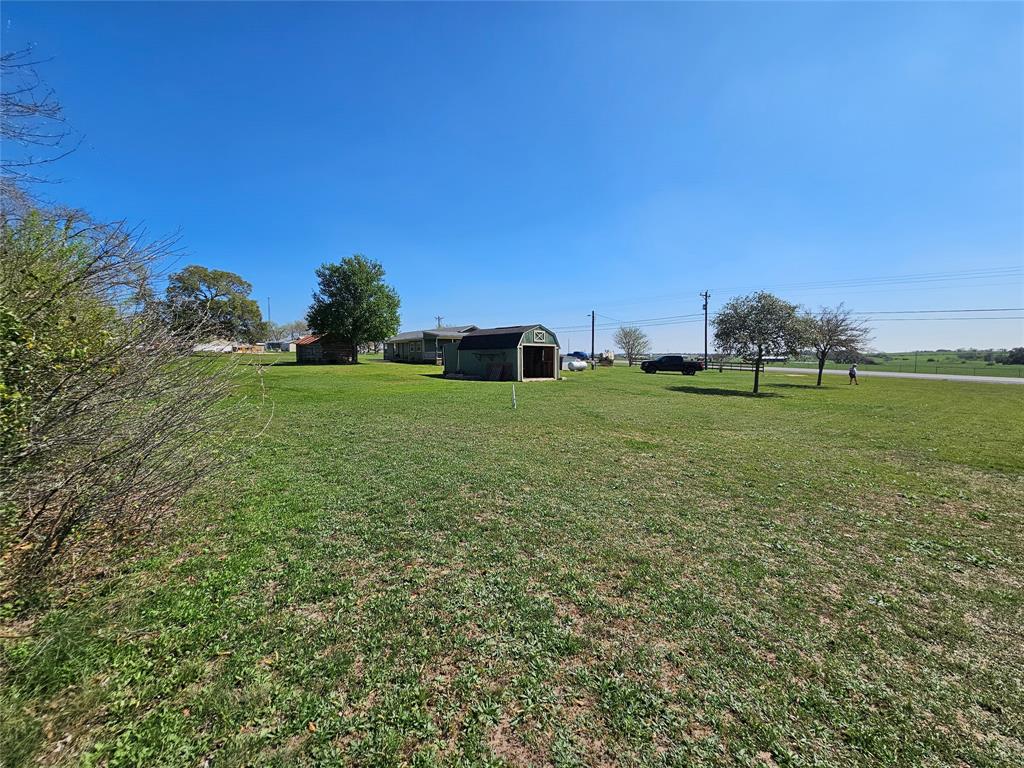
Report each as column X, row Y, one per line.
column 324, row 348
column 509, row 353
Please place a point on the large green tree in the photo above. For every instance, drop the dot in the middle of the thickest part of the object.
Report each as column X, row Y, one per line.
column 215, row 300
column 354, row 303
column 757, row 326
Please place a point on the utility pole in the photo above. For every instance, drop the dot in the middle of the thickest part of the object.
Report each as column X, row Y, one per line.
column 593, row 322
column 268, row 309
column 439, row 320
column 706, row 295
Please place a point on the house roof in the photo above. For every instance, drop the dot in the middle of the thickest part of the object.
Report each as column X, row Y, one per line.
column 308, row 339
column 456, row 331
column 496, row 338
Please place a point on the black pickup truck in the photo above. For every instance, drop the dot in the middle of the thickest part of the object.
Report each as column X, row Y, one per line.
column 674, row 363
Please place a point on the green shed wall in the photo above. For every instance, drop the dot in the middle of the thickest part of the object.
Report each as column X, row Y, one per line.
column 497, row 364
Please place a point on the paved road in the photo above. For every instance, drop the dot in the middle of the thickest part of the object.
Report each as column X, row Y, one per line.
column 898, row 375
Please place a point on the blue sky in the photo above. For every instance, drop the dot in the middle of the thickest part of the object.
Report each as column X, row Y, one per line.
column 527, row 163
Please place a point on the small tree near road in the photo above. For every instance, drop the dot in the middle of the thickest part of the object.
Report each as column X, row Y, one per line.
column 354, row 303
column 834, row 329
column 757, row 326
column 633, row 342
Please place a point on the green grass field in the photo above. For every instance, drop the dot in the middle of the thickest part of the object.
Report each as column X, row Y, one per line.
column 626, row 570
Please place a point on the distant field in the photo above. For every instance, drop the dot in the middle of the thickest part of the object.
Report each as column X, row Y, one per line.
column 626, row 570
column 927, row 362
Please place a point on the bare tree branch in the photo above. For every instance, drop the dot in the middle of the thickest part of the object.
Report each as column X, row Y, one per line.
column 835, row 329
column 633, row 342
column 33, row 129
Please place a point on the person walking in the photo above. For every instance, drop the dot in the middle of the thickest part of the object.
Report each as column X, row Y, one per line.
column 853, row 375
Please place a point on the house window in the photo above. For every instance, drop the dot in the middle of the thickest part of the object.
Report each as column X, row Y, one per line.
column 538, row 337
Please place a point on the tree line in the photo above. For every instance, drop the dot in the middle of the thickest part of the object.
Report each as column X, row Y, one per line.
column 352, row 302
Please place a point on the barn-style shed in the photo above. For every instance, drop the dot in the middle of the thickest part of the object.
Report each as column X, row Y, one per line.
column 322, row 349
column 509, row 353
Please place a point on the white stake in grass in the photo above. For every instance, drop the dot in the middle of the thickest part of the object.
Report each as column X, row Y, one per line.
column 513, row 397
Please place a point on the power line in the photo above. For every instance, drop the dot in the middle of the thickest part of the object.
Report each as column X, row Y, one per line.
column 926, row 311
column 913, row 277
column 855, row 291
column 669, row 320
column 681, row 319
column 627, row 322
column 882, row 282
column 929, row 319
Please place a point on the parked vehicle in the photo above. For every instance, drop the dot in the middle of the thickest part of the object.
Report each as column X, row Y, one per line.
column 672, row 363
column 580, row 355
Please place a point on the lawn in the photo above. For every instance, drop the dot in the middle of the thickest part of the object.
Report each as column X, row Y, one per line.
column 625, row 570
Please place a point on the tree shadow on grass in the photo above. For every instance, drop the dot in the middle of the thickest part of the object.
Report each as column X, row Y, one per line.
column 281, row 363
column 432, row 375
column 721, row 392
column 792, row 386
column 266, row 363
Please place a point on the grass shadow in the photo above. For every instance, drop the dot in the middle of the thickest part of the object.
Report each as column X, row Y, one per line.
column 432, row 375
column 280, row 363
column 793, row 386
column 721, row 392
column 264, row 363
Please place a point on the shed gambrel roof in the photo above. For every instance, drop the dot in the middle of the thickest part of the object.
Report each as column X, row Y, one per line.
column 504, row 337
column 447, row 330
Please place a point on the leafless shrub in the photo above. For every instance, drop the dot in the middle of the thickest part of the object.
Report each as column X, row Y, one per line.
column 32, row 125
column 106, row 416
